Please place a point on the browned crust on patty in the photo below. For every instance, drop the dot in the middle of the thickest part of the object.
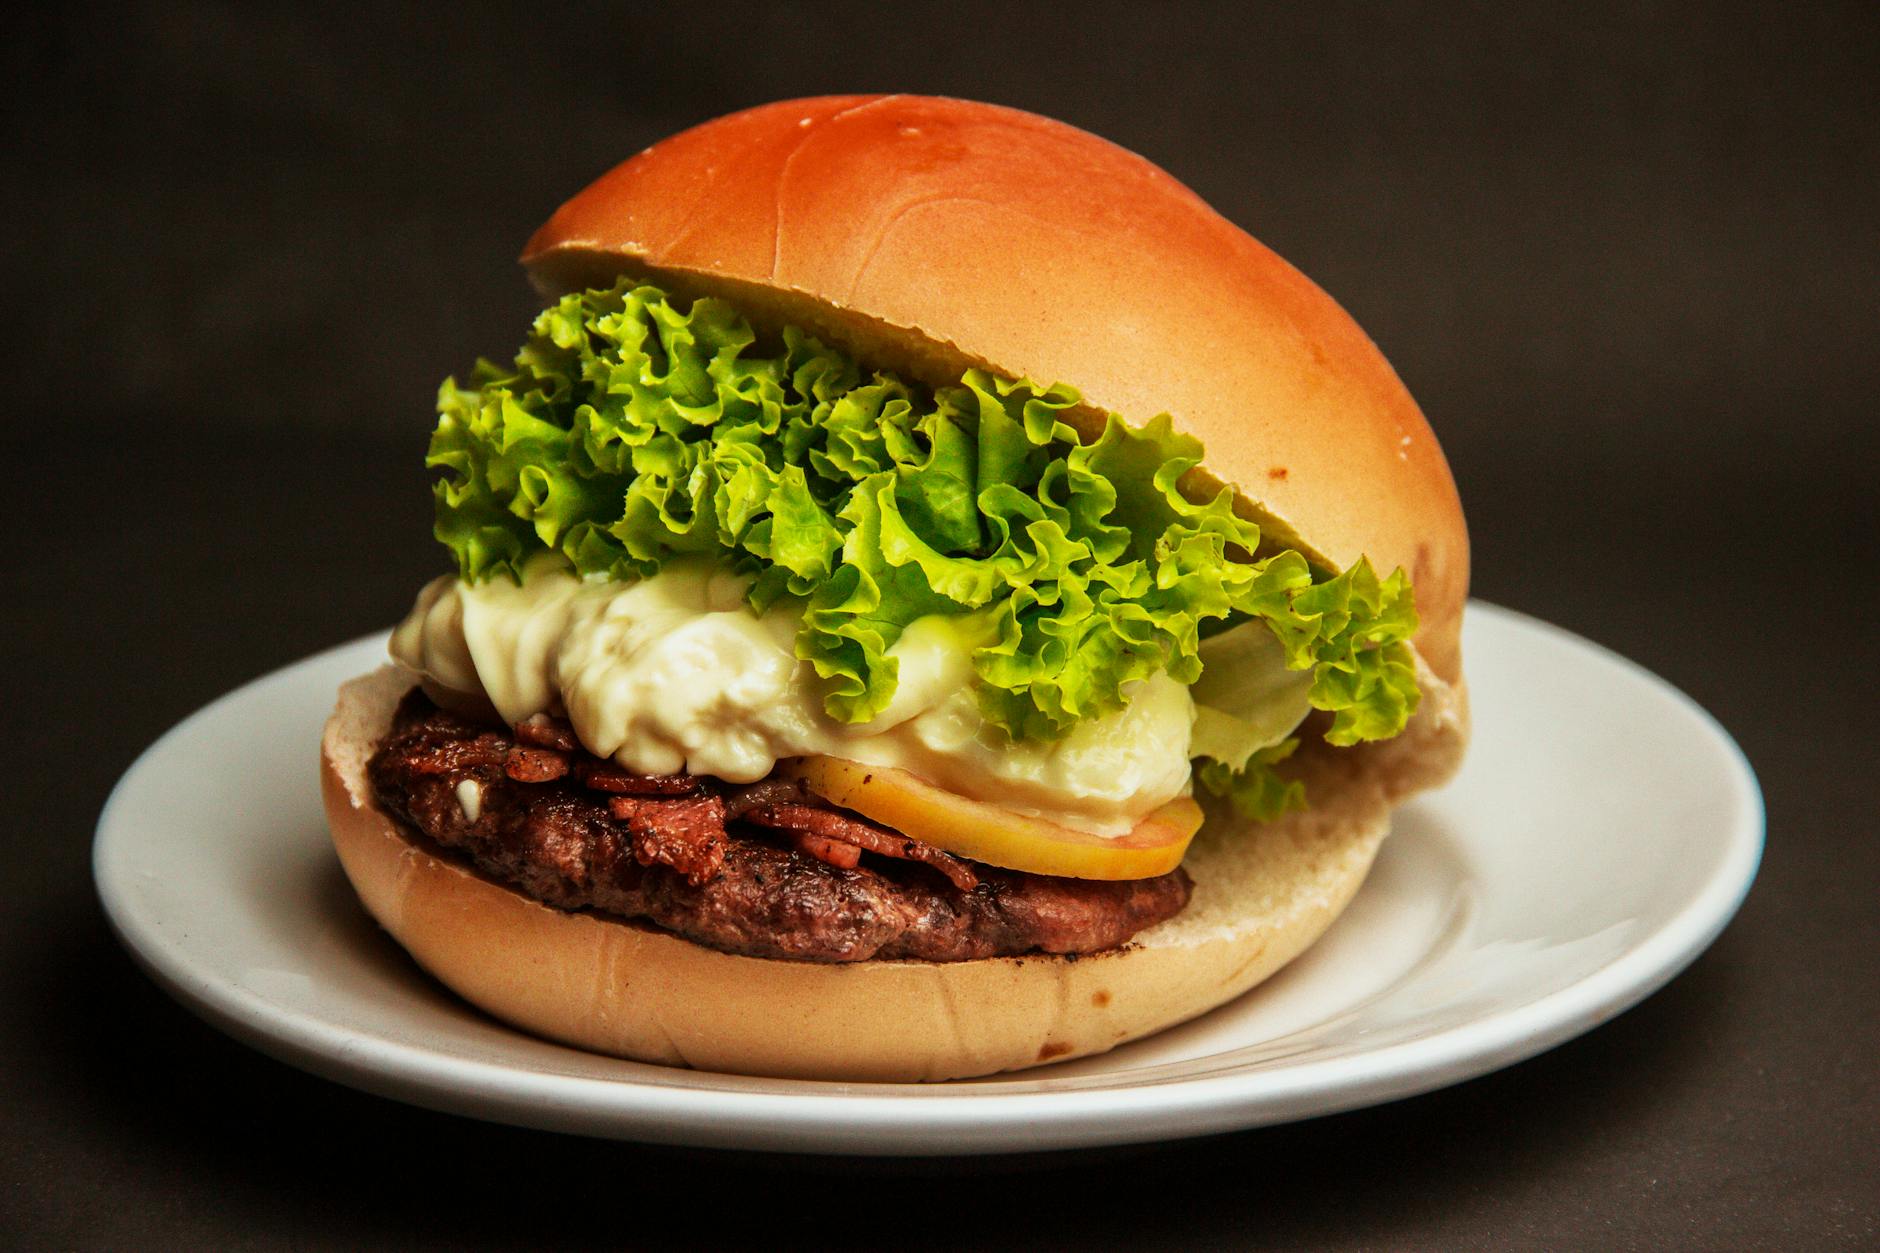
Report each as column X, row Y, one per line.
column 688, row 865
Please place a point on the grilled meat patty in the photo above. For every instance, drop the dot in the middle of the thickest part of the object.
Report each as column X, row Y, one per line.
column 763, row 870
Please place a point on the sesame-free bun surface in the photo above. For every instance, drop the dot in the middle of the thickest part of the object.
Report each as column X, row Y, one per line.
column 634, row 991
column 931, row 235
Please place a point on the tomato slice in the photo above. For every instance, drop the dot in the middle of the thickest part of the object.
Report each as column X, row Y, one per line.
column 995, row 836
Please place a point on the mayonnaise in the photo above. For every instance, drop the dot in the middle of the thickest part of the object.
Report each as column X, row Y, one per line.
column 674, row 673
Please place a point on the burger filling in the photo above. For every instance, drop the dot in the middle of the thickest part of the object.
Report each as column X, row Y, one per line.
column 733, row 561
column 765, row 870
column 672, row 673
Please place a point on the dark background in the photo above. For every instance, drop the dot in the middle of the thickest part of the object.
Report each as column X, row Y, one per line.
column 1624, row 256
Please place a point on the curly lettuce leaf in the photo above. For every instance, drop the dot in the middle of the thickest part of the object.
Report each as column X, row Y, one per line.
column 632, row 429
column 1256, row 790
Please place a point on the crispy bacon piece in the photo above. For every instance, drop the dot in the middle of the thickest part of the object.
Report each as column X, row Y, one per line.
column 686, row 833
column 866, row 836
column 605, row 776
column 452, row 756
column 534, row 765
column 772, row 791
column 835, row 852
column 548, row 733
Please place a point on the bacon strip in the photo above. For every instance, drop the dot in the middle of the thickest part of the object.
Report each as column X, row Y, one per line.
column 836, row 852
column 605, row 776
column 833, row 826
column 548, row 733
column 686, row 833
column 534, row 765
column 452, row 756
column 771, row 791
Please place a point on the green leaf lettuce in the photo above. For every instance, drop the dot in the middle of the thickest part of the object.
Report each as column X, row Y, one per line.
column 631, row 430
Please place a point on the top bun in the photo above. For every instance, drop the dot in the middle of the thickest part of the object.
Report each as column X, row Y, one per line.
column 931, row 235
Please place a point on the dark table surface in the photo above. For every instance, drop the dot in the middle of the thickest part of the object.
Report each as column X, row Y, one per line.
column 1625, row 261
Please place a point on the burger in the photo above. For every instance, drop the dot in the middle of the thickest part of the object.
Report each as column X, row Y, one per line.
column 932, row 597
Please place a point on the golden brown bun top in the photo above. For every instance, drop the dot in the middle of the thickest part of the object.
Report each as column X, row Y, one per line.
column 928, row 235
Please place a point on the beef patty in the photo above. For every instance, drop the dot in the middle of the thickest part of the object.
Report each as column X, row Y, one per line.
column 764, row 870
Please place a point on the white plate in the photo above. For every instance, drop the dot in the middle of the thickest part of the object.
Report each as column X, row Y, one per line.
column 1601, row 834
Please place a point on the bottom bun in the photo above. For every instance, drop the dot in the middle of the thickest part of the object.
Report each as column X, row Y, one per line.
column 1262, row 895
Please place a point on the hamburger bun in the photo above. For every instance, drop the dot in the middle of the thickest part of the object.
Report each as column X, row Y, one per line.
column 624, row 988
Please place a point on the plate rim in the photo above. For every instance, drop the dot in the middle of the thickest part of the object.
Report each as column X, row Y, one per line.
column 935, row 1119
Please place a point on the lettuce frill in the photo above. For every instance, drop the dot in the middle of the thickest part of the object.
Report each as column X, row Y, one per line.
column 631, row 430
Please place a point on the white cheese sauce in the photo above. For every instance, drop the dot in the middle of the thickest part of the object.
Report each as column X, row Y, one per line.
column 674, row 673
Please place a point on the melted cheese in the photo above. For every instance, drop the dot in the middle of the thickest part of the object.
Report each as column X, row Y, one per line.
column 675, row 673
